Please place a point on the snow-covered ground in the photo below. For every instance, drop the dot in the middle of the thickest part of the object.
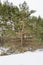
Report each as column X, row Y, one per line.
column 27, row 58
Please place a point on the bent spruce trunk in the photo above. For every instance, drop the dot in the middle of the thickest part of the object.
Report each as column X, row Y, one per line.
column 22, row 33
column 22, row 39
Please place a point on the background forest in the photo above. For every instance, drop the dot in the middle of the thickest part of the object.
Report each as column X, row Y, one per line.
column 18, row 28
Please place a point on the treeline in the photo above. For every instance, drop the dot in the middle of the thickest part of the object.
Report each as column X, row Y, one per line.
column 17, row 22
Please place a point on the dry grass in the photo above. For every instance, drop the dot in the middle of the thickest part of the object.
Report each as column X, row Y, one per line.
column 16, row 46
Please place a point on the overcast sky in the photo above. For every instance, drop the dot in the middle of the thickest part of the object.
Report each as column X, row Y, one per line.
column 33, row 4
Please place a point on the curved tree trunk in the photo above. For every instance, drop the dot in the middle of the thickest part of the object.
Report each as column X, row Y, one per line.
column 22, row 34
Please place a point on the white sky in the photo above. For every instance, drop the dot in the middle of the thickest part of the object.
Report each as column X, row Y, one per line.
column 33, row 4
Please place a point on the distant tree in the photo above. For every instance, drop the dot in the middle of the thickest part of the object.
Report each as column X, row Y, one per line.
column 24, row 15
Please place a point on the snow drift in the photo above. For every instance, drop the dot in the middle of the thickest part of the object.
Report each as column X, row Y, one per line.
column 27, row 58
